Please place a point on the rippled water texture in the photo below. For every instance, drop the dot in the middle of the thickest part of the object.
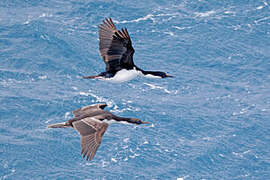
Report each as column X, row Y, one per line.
column 209, row 122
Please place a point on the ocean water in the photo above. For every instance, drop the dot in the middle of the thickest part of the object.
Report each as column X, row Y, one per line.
column 211, row 121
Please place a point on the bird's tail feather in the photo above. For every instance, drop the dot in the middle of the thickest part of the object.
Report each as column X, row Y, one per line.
column 59, row 125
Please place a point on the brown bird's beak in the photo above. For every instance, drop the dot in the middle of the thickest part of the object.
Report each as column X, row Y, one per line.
column 167, row 75
column 145, row 122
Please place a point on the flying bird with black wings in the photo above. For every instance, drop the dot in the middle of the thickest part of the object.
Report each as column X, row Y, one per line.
column 116, row 49
column 89, row 121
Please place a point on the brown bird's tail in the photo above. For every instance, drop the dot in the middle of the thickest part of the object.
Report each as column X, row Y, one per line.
column 59, row 125
column 91, row 77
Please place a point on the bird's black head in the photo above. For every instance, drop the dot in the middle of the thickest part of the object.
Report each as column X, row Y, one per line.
column 159, row 74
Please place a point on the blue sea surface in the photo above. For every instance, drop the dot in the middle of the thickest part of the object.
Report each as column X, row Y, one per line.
column 211, row 121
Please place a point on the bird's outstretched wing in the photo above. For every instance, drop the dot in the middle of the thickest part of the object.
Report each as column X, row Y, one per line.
column 91, row 131
column 115, row 47
column 88, row 109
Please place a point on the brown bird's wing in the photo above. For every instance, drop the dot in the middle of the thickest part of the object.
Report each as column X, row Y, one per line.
column 115, row 47
column 91, row 131
column 88, row 109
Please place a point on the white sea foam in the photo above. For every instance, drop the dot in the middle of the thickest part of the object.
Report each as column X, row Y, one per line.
column 126, row 140
column 229, row 12
column 221, row 155
column 27, row 22
column 45, row 15
column 152, row 86
column 42, row 77
column 148, row 16
column 182, row 178
column 204, row 14
column 169, row 33
column 241, row 154
column 181, row 28
column 67, row 115
column 74, row 88
column 84, row 93
column 262, row 19
column 125, row 147
column 104, row 163
column 169, row 14
column 49, row 120
column 35, row 17
column 259, row 7
column 145, row 142
column 114, row 107
column 151, row 17
column 113, row 160
column 242, row 111
column 109, row 102
column 10, row 174
column 134, row 156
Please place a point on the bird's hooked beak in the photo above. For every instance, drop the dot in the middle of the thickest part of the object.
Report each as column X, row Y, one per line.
column 169, row 76
column 145, row 122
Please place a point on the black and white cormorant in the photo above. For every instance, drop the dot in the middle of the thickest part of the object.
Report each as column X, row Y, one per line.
column 116, row 49
column 90, row 122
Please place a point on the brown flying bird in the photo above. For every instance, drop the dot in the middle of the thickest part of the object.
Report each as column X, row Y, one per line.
column 89, row 122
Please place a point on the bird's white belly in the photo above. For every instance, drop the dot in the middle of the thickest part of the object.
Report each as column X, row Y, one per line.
column 112, row 121
column 152, row 76
column 124, row 75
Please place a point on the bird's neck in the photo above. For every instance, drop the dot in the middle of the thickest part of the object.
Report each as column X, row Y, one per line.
column 129, row 120
column 144, row 72
column 149, row 74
